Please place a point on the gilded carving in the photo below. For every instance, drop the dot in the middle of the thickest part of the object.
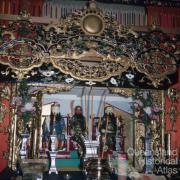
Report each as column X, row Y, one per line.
column 92, row 71
column 163, row 64
column 3, row 110
column 4, row 94
column 173, row 95
column 89, row 46
column 122, row 91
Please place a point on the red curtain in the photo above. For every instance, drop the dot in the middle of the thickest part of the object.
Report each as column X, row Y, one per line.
column 165, row 17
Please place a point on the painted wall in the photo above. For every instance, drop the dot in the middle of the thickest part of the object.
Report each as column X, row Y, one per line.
column 165, row 17
column 34, row 7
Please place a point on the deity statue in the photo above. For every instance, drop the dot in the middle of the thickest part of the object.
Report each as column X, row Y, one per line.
column 46, row 133
column 55, row 126
column 78, row 122
column 120, row 138
column 78, row 131
column 108, row 129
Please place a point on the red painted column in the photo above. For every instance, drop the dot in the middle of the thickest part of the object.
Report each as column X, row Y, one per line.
column 4, row 132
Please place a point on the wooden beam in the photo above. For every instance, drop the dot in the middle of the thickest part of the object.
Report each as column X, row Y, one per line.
column 47, row 20
column 33, row 19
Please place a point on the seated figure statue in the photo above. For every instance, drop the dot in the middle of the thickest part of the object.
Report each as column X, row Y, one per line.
column 78, row 122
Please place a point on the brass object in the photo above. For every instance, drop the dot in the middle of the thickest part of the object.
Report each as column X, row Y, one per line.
column 92, row 22
column 97, row 168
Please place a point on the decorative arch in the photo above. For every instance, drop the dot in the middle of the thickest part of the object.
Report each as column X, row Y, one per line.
column 88, row 46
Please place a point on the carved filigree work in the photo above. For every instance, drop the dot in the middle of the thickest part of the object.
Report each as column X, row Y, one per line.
column 156, row 64
column 123, row 92
column 49, row 88
column 148, row 115
column 3, row 110
column 92, row 71
column 21, row 56
column 173, row 95
column 4, row 95
column 140, row 145
column 90, row 46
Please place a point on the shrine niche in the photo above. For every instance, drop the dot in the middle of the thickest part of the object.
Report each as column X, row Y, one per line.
column 89, row 63
column 111, row 119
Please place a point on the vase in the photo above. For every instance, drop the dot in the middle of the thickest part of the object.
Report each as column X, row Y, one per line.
column 53, row 154
column 23, row 150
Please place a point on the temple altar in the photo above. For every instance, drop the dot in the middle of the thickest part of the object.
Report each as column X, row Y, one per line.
column 87, row 94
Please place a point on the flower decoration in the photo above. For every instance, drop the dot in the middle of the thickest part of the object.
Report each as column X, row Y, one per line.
column 113, row 81
column 48, row 73
column 155, row 112
column 144, row 107
column 28, row 107
column 147, row 110
column 138, row 102
column 130, row 76
column 24, row 103
column 90, row 83
column 69, row 80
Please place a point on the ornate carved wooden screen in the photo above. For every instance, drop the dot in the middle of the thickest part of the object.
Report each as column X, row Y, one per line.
column 87, row 47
